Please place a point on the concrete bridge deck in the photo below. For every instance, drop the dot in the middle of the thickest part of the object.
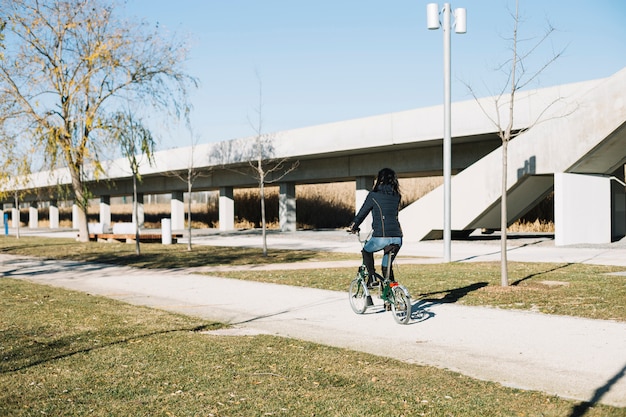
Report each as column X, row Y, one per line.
column 574, row 129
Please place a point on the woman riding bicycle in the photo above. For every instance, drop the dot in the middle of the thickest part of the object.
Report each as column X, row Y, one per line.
column 383, row 202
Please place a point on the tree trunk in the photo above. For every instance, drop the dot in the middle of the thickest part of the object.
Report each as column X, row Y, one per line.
column 263, row 222
column 504, row 274
column 136, row 215
column 81, row 202
column 189, row 184
column 17, row 221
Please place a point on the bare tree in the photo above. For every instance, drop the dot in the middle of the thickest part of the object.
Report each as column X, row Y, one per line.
column 137, row 146
column 189, row 176
column 265, row 167
column 518, row 76
column 69, row 65
column 260, row 157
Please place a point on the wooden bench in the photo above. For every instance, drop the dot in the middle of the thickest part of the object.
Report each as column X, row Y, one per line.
column 130, row 237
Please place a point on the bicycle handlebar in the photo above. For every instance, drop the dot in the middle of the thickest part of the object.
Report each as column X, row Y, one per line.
column 357, row 232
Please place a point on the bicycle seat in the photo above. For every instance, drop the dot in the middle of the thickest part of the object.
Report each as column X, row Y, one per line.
column 394, row 247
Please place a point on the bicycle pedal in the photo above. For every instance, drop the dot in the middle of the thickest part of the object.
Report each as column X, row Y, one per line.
column 387, row 306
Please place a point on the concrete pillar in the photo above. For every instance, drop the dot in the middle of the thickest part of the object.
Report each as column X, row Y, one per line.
column 588, row 209
column 363, row 186
column 53, row 214
column 140, row 220
column 105, row 213
column 33, row 215
column 15, row 217
column 178, row 210
column 227, row 209
column 287, row 207
column 75, row 210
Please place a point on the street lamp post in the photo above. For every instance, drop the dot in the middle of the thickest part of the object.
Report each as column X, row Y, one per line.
column 432, row 15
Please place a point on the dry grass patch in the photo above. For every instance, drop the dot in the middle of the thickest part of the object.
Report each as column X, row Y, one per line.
column 66, row 353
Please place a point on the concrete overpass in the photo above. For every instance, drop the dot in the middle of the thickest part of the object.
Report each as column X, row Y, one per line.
column 580, row 131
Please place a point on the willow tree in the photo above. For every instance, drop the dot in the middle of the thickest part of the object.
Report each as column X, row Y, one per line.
column 69, row 66
column 137, row 146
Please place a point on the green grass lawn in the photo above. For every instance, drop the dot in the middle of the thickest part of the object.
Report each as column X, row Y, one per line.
column 67, row 353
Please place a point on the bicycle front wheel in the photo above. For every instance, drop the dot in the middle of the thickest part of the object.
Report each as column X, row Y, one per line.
column 358, row 298
column 401, row 307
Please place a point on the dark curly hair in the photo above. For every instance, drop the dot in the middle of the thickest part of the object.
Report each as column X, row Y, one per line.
column 387, row 177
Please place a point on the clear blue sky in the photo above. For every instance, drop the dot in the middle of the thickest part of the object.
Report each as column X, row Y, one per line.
column 322, row 61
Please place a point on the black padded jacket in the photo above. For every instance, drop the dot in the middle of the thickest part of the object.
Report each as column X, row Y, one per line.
column 383, row 204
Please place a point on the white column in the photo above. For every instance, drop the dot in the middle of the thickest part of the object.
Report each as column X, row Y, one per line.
column 53, row 214
column 15, row 217
column 140, row 220
column 287, row 207
column 582, row 209
column 33, row 215
column 227, row 209
column 177, row 205
column 105, row 213
column 75, row 209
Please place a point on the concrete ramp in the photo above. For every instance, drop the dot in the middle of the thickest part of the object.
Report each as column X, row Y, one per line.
column 583, row 132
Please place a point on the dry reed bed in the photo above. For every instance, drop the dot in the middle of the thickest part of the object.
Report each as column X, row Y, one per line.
column 319, row 206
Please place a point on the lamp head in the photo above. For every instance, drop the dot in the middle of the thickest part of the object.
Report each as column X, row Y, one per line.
column 460, row 20
column 432, row 16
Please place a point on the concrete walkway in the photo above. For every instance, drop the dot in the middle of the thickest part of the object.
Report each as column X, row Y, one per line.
column 570, row 357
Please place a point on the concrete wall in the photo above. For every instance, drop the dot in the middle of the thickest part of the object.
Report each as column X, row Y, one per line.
column 588, row 209
column 582, row 132
column 582, row 209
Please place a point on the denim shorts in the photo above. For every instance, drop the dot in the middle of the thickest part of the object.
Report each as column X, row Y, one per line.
column 374, row 244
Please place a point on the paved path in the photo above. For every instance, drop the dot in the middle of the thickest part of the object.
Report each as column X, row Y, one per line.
column 570, row 357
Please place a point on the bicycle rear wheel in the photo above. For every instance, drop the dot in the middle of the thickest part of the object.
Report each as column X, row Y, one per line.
column 358, row 298
column 401, row 307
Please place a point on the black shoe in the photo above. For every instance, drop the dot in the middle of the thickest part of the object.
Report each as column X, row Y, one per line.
column 376, row 280
column 372, row 283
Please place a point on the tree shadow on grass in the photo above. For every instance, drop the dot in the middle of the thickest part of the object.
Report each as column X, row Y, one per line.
column 452, row 295
column 200, row 258
column 32, row 353
column 556, row 268
column 174, row 257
